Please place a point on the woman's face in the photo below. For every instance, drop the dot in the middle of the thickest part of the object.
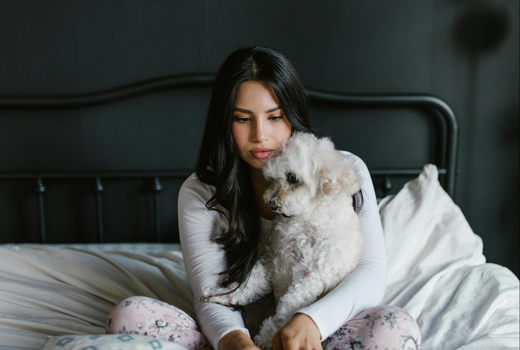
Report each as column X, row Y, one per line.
column 259, row 125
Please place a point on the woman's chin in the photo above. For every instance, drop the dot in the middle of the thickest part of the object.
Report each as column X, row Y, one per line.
column 257, row 164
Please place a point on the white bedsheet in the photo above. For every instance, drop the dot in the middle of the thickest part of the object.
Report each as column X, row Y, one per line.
column 48, row 290
column 436, row 272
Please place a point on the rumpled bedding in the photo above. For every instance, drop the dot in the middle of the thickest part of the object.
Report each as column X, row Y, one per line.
column 51, row 291
column 437, row 273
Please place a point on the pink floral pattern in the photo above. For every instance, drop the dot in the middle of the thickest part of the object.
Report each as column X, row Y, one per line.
column 150, row 317
column 381, row 327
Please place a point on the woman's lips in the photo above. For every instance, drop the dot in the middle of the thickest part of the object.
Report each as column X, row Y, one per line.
column 261, row 153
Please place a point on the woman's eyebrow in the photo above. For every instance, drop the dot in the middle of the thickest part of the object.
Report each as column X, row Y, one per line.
column 243, row 110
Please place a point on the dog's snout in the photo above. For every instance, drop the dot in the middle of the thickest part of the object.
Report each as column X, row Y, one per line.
column 272, row 205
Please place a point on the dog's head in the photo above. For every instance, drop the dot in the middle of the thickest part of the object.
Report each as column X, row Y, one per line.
column 304, row 171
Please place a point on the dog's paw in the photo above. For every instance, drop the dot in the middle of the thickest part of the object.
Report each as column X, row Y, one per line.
column 263, row 343
column 265, row 335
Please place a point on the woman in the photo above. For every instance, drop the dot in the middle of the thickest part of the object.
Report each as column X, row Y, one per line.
column 258, row 101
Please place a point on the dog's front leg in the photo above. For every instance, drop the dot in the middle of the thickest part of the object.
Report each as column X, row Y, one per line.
column 299, row 295
column 256, row 286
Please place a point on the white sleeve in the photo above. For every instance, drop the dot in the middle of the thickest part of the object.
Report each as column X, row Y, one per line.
column 365, row 286
column 204, row 258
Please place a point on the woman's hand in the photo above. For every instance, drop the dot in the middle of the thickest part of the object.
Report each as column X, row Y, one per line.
column 236, row 340
column 299, row 333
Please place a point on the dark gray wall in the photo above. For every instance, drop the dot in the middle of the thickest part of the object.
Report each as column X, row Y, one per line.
column 466, row 52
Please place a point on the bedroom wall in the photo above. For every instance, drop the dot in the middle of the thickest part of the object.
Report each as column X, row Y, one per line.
column 466, row 52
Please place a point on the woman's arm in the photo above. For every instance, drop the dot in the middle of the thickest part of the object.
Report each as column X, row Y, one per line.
column 365, row 286
column 204, row 260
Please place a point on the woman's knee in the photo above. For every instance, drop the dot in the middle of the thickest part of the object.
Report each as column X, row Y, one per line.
column 377, row 327
column 136, row 311
column 393, row 325
column 157, row 319
column 122, row 312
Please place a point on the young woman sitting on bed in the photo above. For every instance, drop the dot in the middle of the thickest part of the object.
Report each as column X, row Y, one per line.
column 258, row 101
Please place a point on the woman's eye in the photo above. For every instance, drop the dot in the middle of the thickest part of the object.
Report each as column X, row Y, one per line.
column 292, row 178
column 241, row 119
column 276, row 117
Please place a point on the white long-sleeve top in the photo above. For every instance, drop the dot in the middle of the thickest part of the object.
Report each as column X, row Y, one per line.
column 204, row 259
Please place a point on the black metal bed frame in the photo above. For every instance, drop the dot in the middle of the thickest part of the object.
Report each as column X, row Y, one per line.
column 444, row 115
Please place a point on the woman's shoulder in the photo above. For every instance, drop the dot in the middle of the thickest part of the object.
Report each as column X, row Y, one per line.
column 193, row 187
column 358, row 163
column 350, row 155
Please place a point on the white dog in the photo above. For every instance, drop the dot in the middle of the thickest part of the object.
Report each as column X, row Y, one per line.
column 316, row 241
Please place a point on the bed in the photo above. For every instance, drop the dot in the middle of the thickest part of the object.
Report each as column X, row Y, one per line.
column 88, row 203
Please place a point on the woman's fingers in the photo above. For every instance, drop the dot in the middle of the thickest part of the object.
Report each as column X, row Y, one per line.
column 300, row 333
column 277, row 342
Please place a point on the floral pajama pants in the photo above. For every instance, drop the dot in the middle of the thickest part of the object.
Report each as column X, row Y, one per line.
column 380, row 327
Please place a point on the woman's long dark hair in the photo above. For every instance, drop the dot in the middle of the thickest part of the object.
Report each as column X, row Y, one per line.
column 219, row 164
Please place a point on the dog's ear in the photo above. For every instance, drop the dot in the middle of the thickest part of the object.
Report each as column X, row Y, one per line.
column 347, row 181
column 338, row 175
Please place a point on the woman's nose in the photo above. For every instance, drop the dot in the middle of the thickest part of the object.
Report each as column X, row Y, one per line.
column 259, row 132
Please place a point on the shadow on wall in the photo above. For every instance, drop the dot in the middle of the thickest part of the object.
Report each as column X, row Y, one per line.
column 479, row 30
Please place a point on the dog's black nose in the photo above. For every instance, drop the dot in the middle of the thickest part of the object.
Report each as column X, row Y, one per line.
column 271, row 204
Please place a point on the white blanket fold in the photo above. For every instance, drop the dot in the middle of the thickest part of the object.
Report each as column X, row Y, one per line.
column 437, row 271
column 48, row 290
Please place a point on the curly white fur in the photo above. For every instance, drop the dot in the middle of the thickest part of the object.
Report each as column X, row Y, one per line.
column 317, row 240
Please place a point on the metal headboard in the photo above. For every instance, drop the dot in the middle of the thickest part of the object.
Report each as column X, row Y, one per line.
column 445, row 115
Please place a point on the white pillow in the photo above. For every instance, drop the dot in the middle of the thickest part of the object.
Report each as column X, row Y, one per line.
column 438, row 274
column 425, row 230
column 426, row 236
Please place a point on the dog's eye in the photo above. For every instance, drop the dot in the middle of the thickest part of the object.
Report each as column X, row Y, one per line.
column 292, row 178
